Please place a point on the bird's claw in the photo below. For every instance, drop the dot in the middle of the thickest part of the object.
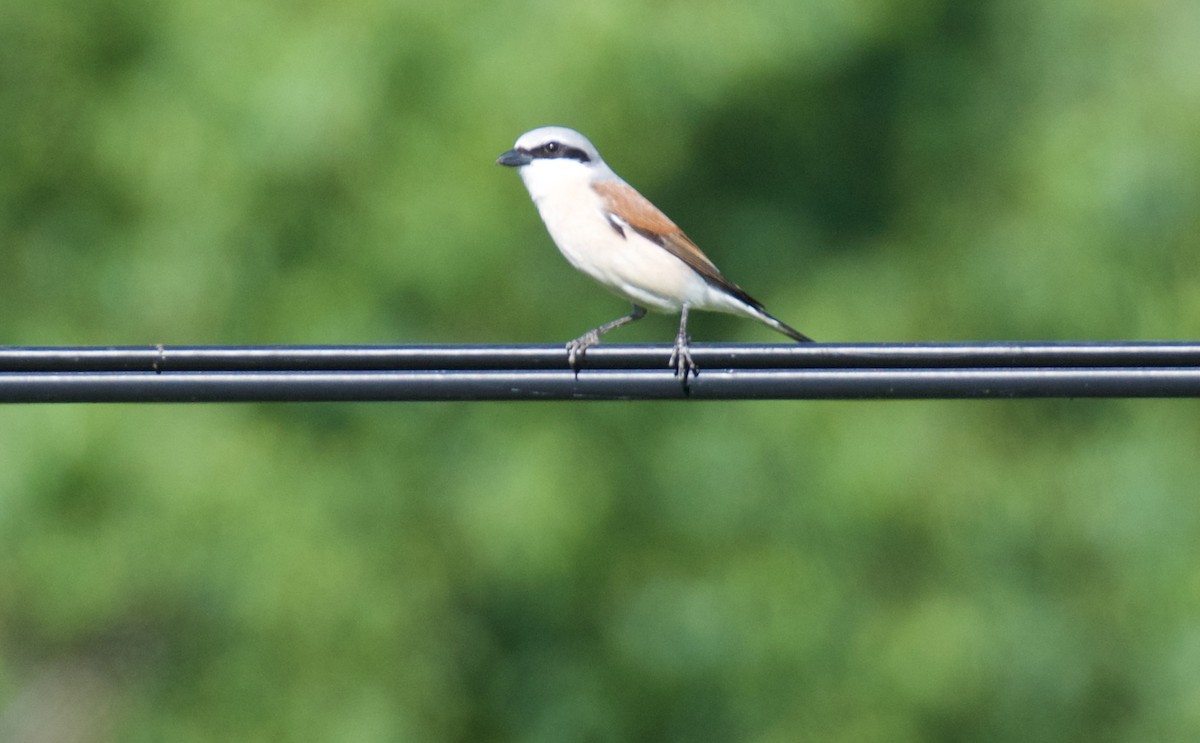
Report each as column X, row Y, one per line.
column 681, row 360
column 578, row 347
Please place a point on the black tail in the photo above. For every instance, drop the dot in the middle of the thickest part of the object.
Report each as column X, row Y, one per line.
column 787, row 330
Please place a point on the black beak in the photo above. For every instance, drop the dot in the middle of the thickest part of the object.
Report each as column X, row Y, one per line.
column 513, row 159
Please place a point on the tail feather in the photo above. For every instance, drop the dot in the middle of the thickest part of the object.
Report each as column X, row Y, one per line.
column 786, row 329
column 745, row 305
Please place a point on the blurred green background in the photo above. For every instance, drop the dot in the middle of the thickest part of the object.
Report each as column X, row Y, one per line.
column 191, row 172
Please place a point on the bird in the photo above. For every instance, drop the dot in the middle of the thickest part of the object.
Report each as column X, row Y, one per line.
column 609, row 231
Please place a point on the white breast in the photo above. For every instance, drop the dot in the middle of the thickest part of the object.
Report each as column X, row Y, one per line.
column 629, row 265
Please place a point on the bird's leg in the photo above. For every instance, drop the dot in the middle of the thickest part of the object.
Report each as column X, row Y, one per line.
column 579, row 346
column 681, row 358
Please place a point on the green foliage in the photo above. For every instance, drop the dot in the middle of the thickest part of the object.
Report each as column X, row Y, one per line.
column 875, row 170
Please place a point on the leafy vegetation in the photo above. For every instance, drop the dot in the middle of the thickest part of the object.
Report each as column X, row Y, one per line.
column 271, row 172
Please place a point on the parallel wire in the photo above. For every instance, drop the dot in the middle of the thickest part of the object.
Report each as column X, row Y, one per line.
column 728, row 372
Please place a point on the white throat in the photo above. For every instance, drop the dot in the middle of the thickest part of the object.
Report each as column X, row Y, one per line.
column 559, row 179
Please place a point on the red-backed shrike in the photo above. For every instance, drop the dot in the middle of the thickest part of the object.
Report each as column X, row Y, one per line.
column 611, row 232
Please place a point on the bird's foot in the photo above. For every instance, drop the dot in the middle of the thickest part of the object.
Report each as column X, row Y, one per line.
column 681, row 359
column 578, row 347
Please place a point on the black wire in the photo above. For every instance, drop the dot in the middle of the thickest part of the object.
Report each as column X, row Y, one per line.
column 728, row 372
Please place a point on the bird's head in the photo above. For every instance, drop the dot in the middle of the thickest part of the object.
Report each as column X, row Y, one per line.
column 552, row 147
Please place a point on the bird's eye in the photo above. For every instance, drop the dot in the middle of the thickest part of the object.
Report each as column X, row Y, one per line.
column 551, row 148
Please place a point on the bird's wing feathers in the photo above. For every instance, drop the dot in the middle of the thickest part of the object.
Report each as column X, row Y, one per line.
column 623, row 202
